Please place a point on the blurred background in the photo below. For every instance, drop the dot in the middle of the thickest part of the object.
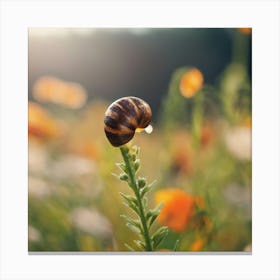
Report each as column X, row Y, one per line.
column 198, row 84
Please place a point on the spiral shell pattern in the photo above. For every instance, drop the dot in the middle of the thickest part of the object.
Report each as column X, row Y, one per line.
column 123, row 117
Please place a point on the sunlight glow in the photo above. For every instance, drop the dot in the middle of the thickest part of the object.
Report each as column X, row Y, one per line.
column 44, row 32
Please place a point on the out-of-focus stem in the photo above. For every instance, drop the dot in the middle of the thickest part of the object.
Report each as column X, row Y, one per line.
column 197, row 117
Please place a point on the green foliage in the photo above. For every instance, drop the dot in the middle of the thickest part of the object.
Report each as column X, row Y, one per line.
column 197, row 118
column 138, row 203
column 235, row 93
column 174, row 105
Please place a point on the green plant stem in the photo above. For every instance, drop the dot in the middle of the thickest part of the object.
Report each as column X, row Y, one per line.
column 142, row 215
column 197, row 118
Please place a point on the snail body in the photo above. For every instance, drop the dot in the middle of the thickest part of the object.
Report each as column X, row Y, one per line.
column 123, row 117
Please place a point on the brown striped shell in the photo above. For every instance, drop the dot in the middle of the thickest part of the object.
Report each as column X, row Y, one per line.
column 123, row 117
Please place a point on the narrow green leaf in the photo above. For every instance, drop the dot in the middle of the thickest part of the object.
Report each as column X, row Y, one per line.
column 151, row 184
column 133, row 228
column 136, row 165
column 153, row 218
column 159, row 231
column 159, row 235
column 149, row 215
column 144, row 190
column 135, row 150
column 145, row 202
column 154, row 214
column 176, row 245
column 157, row 209
column 129, row 199
column 124, row 217
column 135, row 209
column 159, row 239
column 122, row 167
column 135, row 223
column 129, row 247
column 116, row 175
column 140, row 244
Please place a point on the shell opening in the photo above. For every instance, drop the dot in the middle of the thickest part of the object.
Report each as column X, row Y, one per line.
column 149, row 129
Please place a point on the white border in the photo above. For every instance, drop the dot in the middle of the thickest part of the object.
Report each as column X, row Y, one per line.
column 17, row 16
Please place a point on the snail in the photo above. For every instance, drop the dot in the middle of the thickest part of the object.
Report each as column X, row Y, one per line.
column 125, row 116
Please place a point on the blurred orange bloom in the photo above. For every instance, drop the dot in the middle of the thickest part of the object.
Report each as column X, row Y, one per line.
column 182, row 156
column 75, row 95
column 247, row 122
column 191, row 82
column 86, row 149
column 245, row 30
column 40, row 124
column 206, row 135
column 201, row 221
column 197, row 245
column 200, row 202
column 177, row 209
column 182, row 162
column 51, row 89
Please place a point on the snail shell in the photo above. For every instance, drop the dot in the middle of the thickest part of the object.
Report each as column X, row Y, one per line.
column 123, row 117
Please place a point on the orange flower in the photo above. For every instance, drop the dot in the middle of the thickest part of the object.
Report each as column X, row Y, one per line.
column 51, row 89
column 74, row 95
column 197, row 245
column 182, row 163
column 200, row 202
column 247, row 122
column 182, row 155
column 201, row 221
column 86, row 149
column 177, row 209
column 206, row 135
column 191, row 82
column 40, row 124
column 245, row 30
